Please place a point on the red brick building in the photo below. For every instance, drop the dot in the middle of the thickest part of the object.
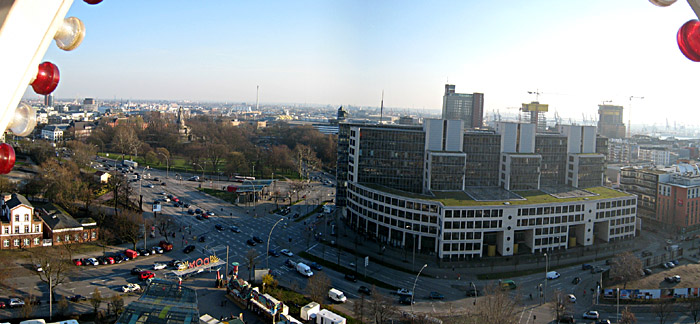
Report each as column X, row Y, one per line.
column 19, row 226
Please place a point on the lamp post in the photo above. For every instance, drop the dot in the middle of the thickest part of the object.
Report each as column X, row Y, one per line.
column 167, row 164
column 267, row 259
column 618, row 306
column 255, row 211
column 413, row 265
column 546, row 269
column 413, row 292
column 200, row 168
column 476, row 293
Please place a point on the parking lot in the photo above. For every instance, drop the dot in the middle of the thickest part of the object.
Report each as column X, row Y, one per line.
column 689, row 273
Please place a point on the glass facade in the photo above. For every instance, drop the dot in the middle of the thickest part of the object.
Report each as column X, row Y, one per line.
column 483, row 151
column 552, row 148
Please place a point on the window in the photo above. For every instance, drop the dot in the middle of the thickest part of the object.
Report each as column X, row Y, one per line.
column 36, row 241
column 67, row 238
column 85, row 235
column 94, row 234
column 26, row 217
column 16, row 218
column 26, row 242
column 7, row 230
column 58, row 238
column 6, row 243
column 37, row 228
column 26, row 228
column 16, row 242
column 16, row 229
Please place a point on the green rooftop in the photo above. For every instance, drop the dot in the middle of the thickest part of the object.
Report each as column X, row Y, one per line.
column 461, row 198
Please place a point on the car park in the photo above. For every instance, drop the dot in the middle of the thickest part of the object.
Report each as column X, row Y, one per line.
column 364, row 290
column 189, row 249
column 591, row 315
column 235, row 229
column 131, row 287
column 436, row 295
column 287, row 252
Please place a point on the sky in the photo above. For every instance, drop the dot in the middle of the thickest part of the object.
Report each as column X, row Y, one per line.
column 577, row 54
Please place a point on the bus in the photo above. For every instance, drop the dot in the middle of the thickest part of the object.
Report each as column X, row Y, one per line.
column 242, row 178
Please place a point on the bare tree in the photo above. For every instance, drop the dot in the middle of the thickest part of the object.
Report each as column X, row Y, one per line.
column 63, row 306
column 627, row 267
column 497, row 307
column 662, row 310
column 381, row 307
column 128, row 226
column 28, row 308
column 117, row 303
column 628, row 317
column 166, row 226
column 560, row 304
column 296, row 187
column 693, row 308
column 251, row 262
column 96, row 299
column 317, row 287
column 358, row 309
column 55, row 263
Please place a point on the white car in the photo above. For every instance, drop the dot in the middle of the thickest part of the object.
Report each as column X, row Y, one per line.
column 131, row 287
column 572, row 298
column 16, row 302
column 553, row 275
column 287, row 252
column 38, row 268
column 159, row 266
column 166, row 199
column 93, row 261
column 591, row 315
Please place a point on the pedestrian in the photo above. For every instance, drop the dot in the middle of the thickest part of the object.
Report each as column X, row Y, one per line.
column 584, row 292
column 534, row 317
column 530, row 296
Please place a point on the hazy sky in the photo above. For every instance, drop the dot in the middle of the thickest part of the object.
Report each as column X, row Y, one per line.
column 577, row 53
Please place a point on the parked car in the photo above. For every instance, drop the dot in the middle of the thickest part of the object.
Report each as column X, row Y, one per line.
column 257, row 239
column 77, row 298
column 603, row 321
column 567, row 318
column 553, row 275
column 143, row 252
column 235, row 229
column 350, row 277
column 131, row 287
column 315, row 266
column 586, row 266
column 158, row 249
column 202, row 238
column 273, row 253
column 186, row 205
column 648, row 271
column 287, row 252
column 78, row 262
column 198, row 211
column 404, row 291
column 210, row 213
column 591, row 315
column 576, row 281
column 406, row 300
column 189, row 249
column 646, row 253
column 219, row 227
column 289, row 263
column 572, row 298
column 200, row 217
column 436, row 295
column 251, row 242
column 190, row 211
column 675, row 262
column 596, row 270
column 364, row 290
column 93, row 261
column 16, row 302
column 136, row 271
column 143, row 275
column 159, row 266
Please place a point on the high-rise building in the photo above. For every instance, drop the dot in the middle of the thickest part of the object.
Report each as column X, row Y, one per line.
column 89, row 104
column 467, row 107
column 48, row 100
column 462, row 194
column 610, row 121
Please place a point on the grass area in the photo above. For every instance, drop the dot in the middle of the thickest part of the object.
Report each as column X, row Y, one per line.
column 460, row 198
column 230, row 197
column 341, row 269
column 295, row 301
column 518, row 273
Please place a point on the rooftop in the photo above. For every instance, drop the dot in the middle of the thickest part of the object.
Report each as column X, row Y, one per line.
column 163, row 302
column 495, row 196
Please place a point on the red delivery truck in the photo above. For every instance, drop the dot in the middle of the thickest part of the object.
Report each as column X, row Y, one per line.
column 131, row 254
column 167, row 247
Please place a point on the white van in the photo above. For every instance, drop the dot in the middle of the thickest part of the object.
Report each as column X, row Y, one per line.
column 337, row 296
column 304, row 270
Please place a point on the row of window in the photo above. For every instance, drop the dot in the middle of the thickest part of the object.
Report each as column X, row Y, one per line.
column 26, row 217
column 550, row 240
column 616, row 203
column 473, row 213
column 474, row 224
column 615, row 213
column 27, row 229
column 15, row 242
column 394, row 201
column 550, row 220
column 621, row 230
column 550, row 210
column 393, row 221
column 550, row 230
column 449, row 236
column 621, row 221
column 461, row 247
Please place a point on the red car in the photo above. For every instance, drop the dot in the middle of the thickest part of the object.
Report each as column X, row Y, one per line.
column 110, row 260
column 78, row 262
column 175, row 199
column 2, row 304
column 143, row 275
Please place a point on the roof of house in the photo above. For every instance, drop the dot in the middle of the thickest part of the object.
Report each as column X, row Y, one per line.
column 17, row 200
column 56, row 219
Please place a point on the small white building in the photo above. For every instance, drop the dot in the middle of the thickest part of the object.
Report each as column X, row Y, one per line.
column 309, row 309
column 327, row 317
column 54, row 132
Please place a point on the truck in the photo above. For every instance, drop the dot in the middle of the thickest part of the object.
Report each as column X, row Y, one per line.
column 167, row 247
column 131, row 254
column 131, row 164
column 304, row 270
column 337, row 296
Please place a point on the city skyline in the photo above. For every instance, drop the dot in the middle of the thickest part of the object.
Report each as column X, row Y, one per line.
column 577, row 55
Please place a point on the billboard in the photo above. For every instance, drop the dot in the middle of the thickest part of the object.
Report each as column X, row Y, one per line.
column 156, row 208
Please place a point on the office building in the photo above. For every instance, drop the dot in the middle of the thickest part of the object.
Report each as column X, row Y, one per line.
column 461, row 194
column 89, row 104
column 644, row 182
column 610, row 123
column 467, row 107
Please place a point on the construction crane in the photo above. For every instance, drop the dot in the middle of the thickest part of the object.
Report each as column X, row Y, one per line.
column 537, row 94
column 629, row 116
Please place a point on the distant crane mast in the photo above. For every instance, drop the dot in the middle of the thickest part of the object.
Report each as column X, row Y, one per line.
column 381, row 109
column 537, row 94
column 629, row 116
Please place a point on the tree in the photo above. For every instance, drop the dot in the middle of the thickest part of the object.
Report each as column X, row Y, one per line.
column 127, row 225
column 236, row 163
column 63, row 306
column 28, row 308
column 7, row 186
column 251, row 262
column 151, row 157
column 215, row 153
column 317, row 287
column 662, row 310
column 82, row 153
column 56, row 264
column 693, row 308
column 497, row 307
column 627, row 267
column 117, row 304
column 96, row 299
column 166, row 226
column 268, row 281
column 358, row 309
column 125, row 139
column 628, row 317
column 381, row 306
column 560, row 304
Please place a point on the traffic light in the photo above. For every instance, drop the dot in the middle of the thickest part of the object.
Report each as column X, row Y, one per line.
column 688, row 36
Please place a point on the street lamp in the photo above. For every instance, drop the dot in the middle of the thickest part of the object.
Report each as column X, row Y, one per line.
column 618, row 306
column 255, row 211
column 167, row 164
column 413, row 266
column 476, row 293
column 200, row 168
column 267, row 259
column 546, row 269
column 413, row 292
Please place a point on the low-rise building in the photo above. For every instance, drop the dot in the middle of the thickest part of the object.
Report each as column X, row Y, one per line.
column 20, row 228
column 61, row 228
